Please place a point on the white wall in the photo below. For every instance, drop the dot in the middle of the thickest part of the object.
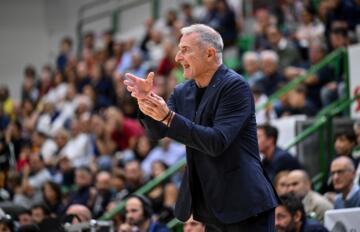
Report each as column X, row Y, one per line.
column 30, row 32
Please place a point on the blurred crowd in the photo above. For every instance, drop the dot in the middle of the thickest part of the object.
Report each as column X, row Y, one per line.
column 72, row 147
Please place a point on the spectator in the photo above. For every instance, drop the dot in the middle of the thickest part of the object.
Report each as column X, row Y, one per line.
column 29, row 89
column 6, row 225
column 103, row 195
column 343, row 173
column 280, row 183
column 77, row 213
column 275, row 158
column 134, row 176
column 251, row 62
column 286, row 50
column 290, row 216
column 123, row 130
column 138, row 215
column 65, row 54
column 271, row 79
column 345, row 142
column 315, row 205
column 193, row 226
column 297, row 103
column 84, row 194
column 168, row 151
column 34, row 177
column 39, row 213
column 24, row 217
column 53, row 198
column 6, row 102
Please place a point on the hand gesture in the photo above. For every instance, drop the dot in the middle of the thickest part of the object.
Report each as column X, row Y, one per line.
column 154, row 106
column 139, row 88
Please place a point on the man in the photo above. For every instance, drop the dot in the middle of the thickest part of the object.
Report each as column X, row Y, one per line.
column 104, row 193
column 275, row 158
column 343, row 173
column 193, row 226
column 77, row 213
column 290, row 216
column 138, row 215
column 299, row 184
column 224, row 185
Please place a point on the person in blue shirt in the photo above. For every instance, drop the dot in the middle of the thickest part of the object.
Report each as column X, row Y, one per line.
column 275, row 159
column 342, row 172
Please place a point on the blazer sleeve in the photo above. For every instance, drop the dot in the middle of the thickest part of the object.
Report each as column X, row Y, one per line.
column 233, row 111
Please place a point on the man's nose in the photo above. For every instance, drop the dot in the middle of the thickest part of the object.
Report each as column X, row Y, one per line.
column 178, row 57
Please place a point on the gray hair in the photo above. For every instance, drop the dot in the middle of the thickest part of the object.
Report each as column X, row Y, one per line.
column 252, row 56
column 269, row 55
column 207, row 35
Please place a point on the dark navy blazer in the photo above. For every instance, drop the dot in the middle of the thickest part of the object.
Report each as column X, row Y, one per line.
column 221, row 141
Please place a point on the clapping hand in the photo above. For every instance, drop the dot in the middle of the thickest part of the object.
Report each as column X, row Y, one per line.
column 139, row 88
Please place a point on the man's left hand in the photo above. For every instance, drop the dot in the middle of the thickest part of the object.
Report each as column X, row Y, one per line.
column 154, row 106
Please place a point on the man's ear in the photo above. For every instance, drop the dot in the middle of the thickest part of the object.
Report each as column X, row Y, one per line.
column 210, row 53
column 297, row 216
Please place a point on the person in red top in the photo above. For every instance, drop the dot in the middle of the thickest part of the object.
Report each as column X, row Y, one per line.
column 122, row 130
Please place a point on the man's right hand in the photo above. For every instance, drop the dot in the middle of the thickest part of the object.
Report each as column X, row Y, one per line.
column 139, row 88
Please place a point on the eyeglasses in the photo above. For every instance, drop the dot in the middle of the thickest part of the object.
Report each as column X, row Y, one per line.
column 339, row 172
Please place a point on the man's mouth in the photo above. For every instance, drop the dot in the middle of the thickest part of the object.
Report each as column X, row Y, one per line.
column 186, row 66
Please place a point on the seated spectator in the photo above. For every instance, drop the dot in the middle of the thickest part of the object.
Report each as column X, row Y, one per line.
column 335, row 88
column 345, row 142
column 77, row 213
column 297, row 103
column 134, row 176
column 78, row 149
column 290, row 216
column 315, row 205
column 251, row 63
column 286, row 50
column 34, row 177
column 39, row 212
column 168, row 151
column 280, row 183
column 193, row 226
column 271, row 79
column 103, row 193
column 343, row 173
column 84, row 193
column 275, row 158
column 7, row 225
column 139, row 213
column 123, row 130
column 53, row 198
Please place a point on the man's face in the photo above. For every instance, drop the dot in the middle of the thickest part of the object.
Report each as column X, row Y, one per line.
column 262, row 140
column 193, row 226
column 297, row 185
column 191, row 56
column 134, row 212
column 342, row 177
column 343, row 146
column 284, row 222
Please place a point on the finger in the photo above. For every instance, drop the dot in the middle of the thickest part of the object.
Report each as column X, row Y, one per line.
column 150, row 77
column 132, row 77
column 130, row 89
column 128, row 83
